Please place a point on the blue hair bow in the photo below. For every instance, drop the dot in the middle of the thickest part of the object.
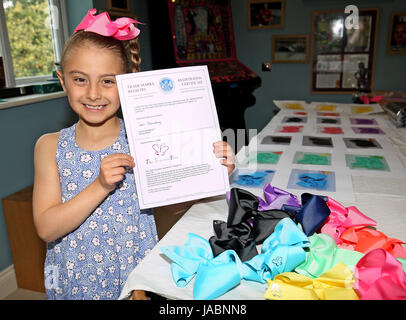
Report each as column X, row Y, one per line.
column 282, row 251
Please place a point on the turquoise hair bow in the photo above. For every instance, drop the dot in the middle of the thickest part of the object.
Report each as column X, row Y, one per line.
column 282, row 251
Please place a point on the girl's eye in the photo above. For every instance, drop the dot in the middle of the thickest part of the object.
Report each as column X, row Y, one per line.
column 79, row 80
column 108, row 81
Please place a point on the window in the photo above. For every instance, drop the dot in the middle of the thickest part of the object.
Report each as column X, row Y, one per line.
column 32, row 34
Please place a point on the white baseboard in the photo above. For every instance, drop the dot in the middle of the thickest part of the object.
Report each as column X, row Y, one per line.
column 8, row 282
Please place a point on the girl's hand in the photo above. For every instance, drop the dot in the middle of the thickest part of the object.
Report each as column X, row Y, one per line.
column 223, row 150
column 112, row 169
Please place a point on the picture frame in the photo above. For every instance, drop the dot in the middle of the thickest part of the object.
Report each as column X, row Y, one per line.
column 117, row 14
column 290, row 48
column 397, row 33
column 343, row 56
column 264, row 14
column 118, row 5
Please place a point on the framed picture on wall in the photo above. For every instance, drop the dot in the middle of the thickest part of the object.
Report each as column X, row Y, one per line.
column 290, row 48
column 264, row 14
column 119, row 5
column 117, row 14
column 343, row 55
column 397, row 33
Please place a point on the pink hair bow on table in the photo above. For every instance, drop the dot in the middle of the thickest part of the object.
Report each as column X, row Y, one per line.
column 380, row 277
column 121, row 28
column 342, row 218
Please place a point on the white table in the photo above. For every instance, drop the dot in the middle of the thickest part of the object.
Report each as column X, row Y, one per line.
column 382, row 199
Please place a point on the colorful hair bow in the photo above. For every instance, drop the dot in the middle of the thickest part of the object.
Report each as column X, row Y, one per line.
column 342, row 218
column 121, row 28
column 281, row 252
column 364, row 239
column 380, row 277
column 335, row 284
column 324, row 254
column 246, row 226
column 275, row 198
column 312, row 214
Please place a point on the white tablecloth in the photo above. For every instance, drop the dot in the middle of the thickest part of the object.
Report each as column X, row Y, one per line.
column 382, row 199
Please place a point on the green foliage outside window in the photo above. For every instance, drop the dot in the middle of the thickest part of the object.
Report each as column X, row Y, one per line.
column 30, row 37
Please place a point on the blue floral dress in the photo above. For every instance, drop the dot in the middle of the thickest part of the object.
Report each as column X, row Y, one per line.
column 94, row 261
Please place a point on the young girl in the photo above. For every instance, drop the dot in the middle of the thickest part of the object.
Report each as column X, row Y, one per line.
column 85, row 201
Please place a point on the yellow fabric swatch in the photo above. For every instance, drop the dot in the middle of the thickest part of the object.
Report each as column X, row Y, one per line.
column 335, row 284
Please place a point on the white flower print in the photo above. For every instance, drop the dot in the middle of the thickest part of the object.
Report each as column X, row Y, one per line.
column 123, row 267
column 81, row 256
column 75, row 290
column 98, row 257
column 103, row 156
column 109, row 295
column 64, row 143
column 120, row 202
column 110, row 210
column 99, row 211
column 134, row 196
column 93, row 225
column 73, row 243
column 92, row 278
column 135, row 229
column 96, row 241
column 69, row 265
column 104, row 283
column 138, row 260
column 58, row 290
column 129, row 244
column 57, row 249
column 110, row 241
column 142, row 235
column 117, row 146
column 87, row 174
column 70, row 273
column 72, row 186
column 99, row 271
column 129, row 229
column 77, row 275
column 84, row 289
column 123, row 186
column 113, row 257
column 119, row 218
column 96, row 297
column 118, row 248
column 112, row 269
column 79, row 236
column 85, row 158
column 116, row 282
column 147, row 251
column 66, row 172
column 105, row 228
column 130, row 210
column 130, row 259
column 69, row 155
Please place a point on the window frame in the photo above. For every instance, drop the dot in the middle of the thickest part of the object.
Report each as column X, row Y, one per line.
column 59, row 36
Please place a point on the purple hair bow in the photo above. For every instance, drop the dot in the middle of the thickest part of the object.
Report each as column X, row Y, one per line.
column 275, row 198
column 121, row 28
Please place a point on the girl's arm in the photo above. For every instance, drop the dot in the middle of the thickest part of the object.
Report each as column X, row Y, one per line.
column 54, row 219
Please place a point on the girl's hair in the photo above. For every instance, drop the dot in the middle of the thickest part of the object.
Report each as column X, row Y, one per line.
column 129, row 50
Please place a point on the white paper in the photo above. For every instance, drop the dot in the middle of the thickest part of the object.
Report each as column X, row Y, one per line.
column 171, row 122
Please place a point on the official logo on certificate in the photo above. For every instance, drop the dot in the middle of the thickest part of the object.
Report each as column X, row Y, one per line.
column 166, row 85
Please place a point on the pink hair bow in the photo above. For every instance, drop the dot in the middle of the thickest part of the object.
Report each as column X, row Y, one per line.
column 342, row 218
column 380, row 277
column 121, row 28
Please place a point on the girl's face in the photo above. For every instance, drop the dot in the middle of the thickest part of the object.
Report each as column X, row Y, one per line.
column 89, row 81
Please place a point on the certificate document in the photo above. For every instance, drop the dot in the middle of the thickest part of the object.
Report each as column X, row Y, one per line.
column 171, row 123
